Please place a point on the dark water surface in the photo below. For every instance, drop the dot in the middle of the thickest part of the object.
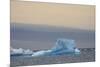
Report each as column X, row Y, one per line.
column 87, row 55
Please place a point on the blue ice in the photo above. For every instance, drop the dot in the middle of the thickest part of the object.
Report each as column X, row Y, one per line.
column 62, row 46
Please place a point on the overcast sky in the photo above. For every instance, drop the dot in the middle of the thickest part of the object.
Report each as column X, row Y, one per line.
column 64, row 15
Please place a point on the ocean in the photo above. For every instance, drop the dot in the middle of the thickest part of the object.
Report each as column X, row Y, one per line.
column 87, row 55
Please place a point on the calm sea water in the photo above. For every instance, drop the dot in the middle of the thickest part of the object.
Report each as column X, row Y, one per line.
column 87, row 55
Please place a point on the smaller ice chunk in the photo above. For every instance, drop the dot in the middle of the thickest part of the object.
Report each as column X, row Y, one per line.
column 77, row 51
column 41, row 53
column 17, row 51
column 20, row 51
column 28, row 51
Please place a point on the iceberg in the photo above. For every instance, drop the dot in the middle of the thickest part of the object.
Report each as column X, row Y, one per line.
column 62, row 46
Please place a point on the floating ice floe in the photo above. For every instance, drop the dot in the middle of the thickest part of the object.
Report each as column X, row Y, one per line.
column 16, row 51
column 20, row 52
column 63, row 46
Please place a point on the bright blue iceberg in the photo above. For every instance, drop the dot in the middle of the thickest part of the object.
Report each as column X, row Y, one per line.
column 63, row 46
